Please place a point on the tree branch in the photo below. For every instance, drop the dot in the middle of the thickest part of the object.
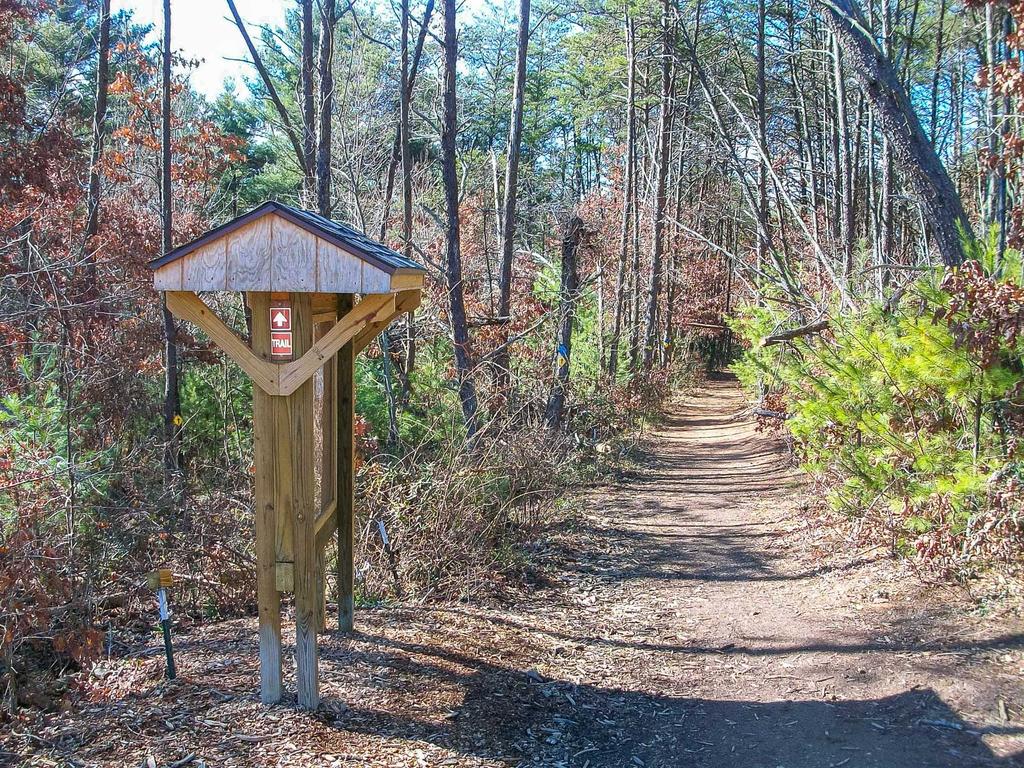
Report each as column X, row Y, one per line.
column 269, row 84
column 794, row 333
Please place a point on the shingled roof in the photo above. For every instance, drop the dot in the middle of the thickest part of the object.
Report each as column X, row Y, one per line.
column 335, row 232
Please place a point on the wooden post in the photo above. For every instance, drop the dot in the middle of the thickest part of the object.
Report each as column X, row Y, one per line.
column 328, row 470
column 321, row 590
column 264, row 471
column 286, row 509
column 345, row 487
column 297, row 445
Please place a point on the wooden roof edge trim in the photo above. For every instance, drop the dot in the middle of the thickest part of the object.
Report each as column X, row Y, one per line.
column 272, row 206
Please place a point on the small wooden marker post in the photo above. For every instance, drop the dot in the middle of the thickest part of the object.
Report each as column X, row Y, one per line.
column 300, row 274
column 159, row 581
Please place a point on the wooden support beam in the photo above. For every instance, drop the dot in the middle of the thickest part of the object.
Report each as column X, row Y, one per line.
column 371, row 309
column 327, row 523
column 188, row 306
column 264, row 471
column 299, row 448
column 345, row 509
column 278, row 379
column 406, row 301
column 328, row 434
column 321, row 590
column 328, row 469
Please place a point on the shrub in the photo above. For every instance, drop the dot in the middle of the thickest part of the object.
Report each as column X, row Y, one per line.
column 909, row 414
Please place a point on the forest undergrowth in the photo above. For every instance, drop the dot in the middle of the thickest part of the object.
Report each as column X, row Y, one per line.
column 434, row 521
column 908, row 413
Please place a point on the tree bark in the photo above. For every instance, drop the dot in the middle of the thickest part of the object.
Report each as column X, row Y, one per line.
column 308, row 111
column 911, row 146
column 888, row 188
column 991, row 119
column 937, row 73
column 405, row 135
column 99, row 122
column 762, row 137
column 515, row 136
column 795, row 333
column 328, row 18
column 628, row 184
column 453, row 255
column 658, row 235
column 844, row 168
column 171, row 398
column 396, row 148
column 507, row 218
column 568, row 291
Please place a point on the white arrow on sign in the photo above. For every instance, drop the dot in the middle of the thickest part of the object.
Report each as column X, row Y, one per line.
column 280, row 320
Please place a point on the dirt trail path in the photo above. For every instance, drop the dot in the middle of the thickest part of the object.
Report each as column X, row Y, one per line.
column 684, row 625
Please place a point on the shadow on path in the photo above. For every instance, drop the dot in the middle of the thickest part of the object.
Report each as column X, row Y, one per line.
column 683, row 525
column 541, row 722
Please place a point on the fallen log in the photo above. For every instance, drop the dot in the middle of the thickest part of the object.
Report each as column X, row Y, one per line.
column 772, row 414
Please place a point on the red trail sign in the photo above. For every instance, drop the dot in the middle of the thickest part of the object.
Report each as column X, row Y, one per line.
column 281, row 343
column 281, row 318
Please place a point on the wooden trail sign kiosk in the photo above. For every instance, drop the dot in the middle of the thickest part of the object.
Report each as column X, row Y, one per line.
column 300, row 273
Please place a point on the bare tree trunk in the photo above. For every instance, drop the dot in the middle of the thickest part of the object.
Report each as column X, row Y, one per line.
column 628, row 184
column 991, row 119
column 405, row 135
column 99, row 123
column 508, row 214
column 308, row 112
column 844, row 168
column 887, row 191
column 668, row 347
column 937, row 73
column 396, row 148
column 658, row 235
column 515, row 138
column 1005, row 140
column 496, row 193
column 899, row 121
column 268, row 83
column 958, row 90
column 570, row 284
column 640, row 174
column 384, row 340
column 800, row 124
column 453, row 255
column 328, row 18
column 171, row 400
column 762, row 138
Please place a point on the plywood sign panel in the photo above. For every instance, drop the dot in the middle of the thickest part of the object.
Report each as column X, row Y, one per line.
column 249, row 256
column 168, row 277
column 294, row 258
column 204, row 268
column 338, row 271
